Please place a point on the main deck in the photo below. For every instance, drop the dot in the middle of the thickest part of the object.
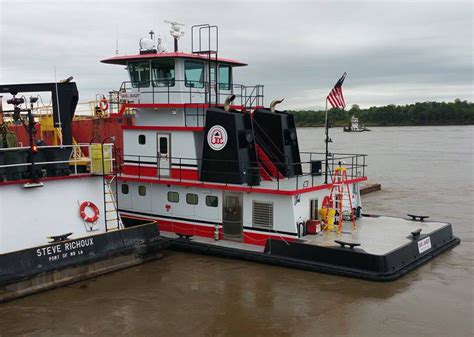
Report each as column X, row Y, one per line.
column 377, row 235
column 386, row 248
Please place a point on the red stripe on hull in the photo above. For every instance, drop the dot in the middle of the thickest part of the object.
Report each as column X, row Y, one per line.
column 252, row 238
column 184, row 174
column 261, row 239
column 187, row 229
column 147, row 171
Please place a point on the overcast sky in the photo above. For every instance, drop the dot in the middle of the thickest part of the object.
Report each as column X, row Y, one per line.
column 395, row 52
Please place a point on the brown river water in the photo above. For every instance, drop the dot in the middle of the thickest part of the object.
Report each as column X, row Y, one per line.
column 422, row 170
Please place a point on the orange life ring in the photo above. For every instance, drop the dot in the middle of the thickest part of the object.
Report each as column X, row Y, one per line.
column 327, row 202
column 104, row 104
column 94, row 209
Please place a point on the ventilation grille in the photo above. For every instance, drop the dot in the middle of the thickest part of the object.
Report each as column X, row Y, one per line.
column 262, row 214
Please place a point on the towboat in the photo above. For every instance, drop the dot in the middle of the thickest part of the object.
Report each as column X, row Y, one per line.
column 354, row 126
column 59, row 221
column 222, row 174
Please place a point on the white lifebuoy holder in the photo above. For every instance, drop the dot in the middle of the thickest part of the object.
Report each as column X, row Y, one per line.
column 90, row 205
column 104, row 104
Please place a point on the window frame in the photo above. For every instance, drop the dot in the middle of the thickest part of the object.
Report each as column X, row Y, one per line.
column 222, row 85
column 140, row 138
column 193, row 195
column 172, row 193
column 166, row 82
column 140, row 187
column 139, row 84
column 208, row 204
column 200, row 83
column 166, row 147
column 127, row 188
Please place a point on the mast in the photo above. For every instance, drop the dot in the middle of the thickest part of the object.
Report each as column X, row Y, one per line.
column 327, row 140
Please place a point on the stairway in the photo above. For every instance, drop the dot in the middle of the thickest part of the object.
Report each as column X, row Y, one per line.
column 266, row 165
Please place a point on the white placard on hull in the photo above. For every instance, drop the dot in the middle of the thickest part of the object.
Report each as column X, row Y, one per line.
column 424, row 245
column 130, row 96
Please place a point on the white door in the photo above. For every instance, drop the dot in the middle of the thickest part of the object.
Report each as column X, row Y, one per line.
column 163, row 145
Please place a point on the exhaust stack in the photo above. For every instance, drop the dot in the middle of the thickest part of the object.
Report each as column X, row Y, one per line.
column 227, row 102
column 274, row 103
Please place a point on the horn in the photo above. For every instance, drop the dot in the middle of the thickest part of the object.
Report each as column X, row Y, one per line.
column 274, row 103
column 227, row 102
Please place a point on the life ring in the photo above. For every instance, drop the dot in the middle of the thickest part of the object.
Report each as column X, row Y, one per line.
column 94, row 209
column 104, row 104
column 327, row 202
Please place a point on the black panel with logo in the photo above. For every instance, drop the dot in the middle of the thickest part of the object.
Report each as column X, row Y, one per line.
column 275, row 134
column 229, row 154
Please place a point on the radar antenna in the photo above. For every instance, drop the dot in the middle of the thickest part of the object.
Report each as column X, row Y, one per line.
column 175, row 32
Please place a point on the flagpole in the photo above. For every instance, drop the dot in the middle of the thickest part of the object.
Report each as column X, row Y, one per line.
column 327, row 145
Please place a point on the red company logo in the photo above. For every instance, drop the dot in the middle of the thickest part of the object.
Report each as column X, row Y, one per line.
column 217, row 138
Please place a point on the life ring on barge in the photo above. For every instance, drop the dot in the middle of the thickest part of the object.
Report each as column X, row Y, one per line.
column 104, row 104
column 93, row 207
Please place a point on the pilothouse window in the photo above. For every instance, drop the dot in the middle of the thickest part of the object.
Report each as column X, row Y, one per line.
column 194, row 74
column 139, row 74
column 224, row 77
column 162, row 72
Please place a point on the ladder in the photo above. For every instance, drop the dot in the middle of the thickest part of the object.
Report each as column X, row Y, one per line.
column 111, row 214
column 340, row 192
column 110, row 186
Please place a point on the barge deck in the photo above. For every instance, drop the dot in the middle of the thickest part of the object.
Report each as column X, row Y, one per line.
column 384, row 248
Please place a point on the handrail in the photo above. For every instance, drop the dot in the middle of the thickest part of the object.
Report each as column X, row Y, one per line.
column 192, row 88
column 303, row 180
column 41, row 163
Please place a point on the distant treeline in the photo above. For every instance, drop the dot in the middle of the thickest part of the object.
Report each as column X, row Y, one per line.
column 427, row 113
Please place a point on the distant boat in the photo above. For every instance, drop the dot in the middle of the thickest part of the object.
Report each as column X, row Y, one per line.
column 354, row 126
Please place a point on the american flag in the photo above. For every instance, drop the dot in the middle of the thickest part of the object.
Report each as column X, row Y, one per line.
column 335, row 97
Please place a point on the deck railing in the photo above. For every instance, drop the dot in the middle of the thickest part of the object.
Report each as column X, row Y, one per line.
column 62, row 160
column 355, row 165
column 186, row 92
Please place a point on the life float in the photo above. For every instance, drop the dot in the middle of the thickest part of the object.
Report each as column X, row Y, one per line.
column 93, row 207
column 104, row 104
column 327, row 202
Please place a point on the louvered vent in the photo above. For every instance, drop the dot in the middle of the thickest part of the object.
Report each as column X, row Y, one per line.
column 262, row 214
